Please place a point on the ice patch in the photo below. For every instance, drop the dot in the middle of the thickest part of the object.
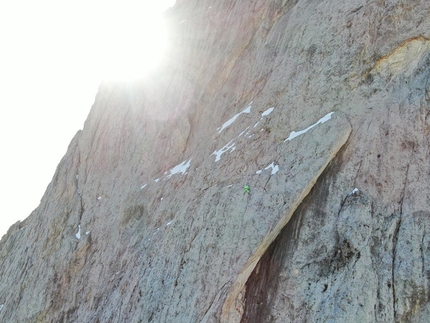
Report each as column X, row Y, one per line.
column 295, row 134
column 78, row 235
column 143, row 186
column 218, row 153
column 233, row 119
column 267, row 112
column 181, row 168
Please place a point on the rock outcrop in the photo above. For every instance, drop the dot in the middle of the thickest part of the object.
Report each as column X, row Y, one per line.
column 320, row 107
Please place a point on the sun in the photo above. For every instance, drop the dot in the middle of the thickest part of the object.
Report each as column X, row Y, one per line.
column 130, row 39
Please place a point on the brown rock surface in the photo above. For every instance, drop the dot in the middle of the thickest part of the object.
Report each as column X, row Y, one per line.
column 146, row 218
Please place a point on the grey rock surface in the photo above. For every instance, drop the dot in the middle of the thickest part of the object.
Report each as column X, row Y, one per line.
column 321, row 107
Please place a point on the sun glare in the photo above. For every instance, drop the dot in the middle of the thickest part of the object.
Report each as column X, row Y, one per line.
column 54, row 55
column 131, row 41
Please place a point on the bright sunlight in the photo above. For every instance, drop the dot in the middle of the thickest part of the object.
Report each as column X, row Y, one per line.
column 53, row 56
column 129, row 38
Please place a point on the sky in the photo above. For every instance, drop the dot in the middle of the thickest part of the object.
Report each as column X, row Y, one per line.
column 53, row 56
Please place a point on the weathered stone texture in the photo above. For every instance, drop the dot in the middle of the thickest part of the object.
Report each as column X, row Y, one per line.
column 335, row 227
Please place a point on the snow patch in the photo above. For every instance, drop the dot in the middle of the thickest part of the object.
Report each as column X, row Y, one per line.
column 295, row 134
column 168, row 223
column 354, row 191
column 256, row 124
column 157, row 180
column 267, row 112
column 275, row 169
column 233, row 119
column 181, row 168
column 78, row 235
column 1, row 307
column 99, row 198
column 218, row 153
column 143, row 186
column 88, row 232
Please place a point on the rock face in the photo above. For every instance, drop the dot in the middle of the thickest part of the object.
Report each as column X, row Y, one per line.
column 321, row 107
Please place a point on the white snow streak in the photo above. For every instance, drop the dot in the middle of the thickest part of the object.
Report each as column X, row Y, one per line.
column 275, row 169
column 218, row 153
column 143, row 186
column 295, row 134
column 267, row 112
column 233, row 119
column 1, row 307
column 78, row 235
column 168, row 223
column 243, row 131
column 181, row 168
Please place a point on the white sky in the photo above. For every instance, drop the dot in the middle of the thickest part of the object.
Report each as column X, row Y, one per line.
column 53, row 55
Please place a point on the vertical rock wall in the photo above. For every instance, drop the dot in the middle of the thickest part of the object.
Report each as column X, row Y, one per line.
column 320, row 107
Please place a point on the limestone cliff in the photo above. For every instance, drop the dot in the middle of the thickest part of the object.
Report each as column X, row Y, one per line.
column 320, row 107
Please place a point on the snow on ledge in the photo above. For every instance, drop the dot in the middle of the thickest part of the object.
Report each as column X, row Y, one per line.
column 267, row 112
column 233, row 119
column 218, row 153
column 78, row 235
column 181, row 168
column 275, row 169
column 295, row 134
column 354, row 191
